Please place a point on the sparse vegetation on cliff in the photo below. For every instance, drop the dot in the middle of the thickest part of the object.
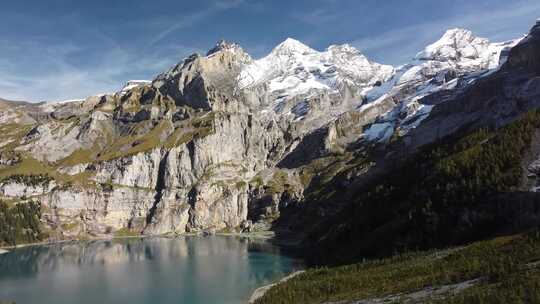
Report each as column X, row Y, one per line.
column 20, row 223
column 31, row 179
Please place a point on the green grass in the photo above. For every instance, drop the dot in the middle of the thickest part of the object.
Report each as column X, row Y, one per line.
column 79, row 156
column 257, row 181
column 13, row 133
column 502, row 264
column 279, row 183
column 515, row 288
column 182, row 136
column 27, row 166
column 137, row 140
column 125, row 232
column 133, row 144
column 33, row 179
column 30, row 171
column 320, row 172
column 69, row 226
column 240, row 185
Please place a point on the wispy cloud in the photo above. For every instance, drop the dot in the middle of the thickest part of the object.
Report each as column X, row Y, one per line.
column 58, row 78
column 317, row 16
column 192, row 19
column 42, row 68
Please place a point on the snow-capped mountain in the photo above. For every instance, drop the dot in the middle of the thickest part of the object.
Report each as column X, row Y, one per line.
column 455, row 60
column 464, row 49
column 458, row 52
column 309, row 86
column 293, row 68
column 299, row 82
column 294, row 75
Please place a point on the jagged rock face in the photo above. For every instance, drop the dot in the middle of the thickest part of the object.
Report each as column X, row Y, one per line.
column 52, row 142
column 131, row 84
column 16, row 189
column 98, row 211
column 205, row 82
column 15, row 112
column 140, row 171
column 524, row 55
column 221, row 140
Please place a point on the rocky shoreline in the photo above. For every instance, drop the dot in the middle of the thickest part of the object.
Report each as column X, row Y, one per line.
column 259, row 292
column 255, row 235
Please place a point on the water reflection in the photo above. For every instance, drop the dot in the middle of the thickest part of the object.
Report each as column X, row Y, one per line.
column 154, row 270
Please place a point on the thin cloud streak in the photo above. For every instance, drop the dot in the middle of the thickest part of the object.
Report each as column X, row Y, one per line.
column 60, row 79
column 194, row 18
column 317, row 16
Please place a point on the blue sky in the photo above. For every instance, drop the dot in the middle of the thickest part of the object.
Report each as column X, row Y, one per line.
column 64, row 49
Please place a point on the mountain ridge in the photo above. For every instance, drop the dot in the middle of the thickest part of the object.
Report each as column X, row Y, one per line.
column 224, row 142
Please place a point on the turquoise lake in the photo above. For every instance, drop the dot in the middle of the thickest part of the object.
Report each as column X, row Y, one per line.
column 188, row 270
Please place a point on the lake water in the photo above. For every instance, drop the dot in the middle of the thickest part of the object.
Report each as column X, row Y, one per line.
column 188, row 270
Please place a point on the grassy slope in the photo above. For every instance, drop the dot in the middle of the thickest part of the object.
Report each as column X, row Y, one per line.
column 32, row 168
column 506, row 267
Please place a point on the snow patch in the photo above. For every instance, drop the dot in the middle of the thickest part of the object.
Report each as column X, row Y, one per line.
column 380, row 132
column 131, row 84
column 461, row 47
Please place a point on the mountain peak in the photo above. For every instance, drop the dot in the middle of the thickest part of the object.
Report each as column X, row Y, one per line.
column 291, row 45
column 456, row 32
column 222, row 45
column 343, row 48
column 456, row 43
